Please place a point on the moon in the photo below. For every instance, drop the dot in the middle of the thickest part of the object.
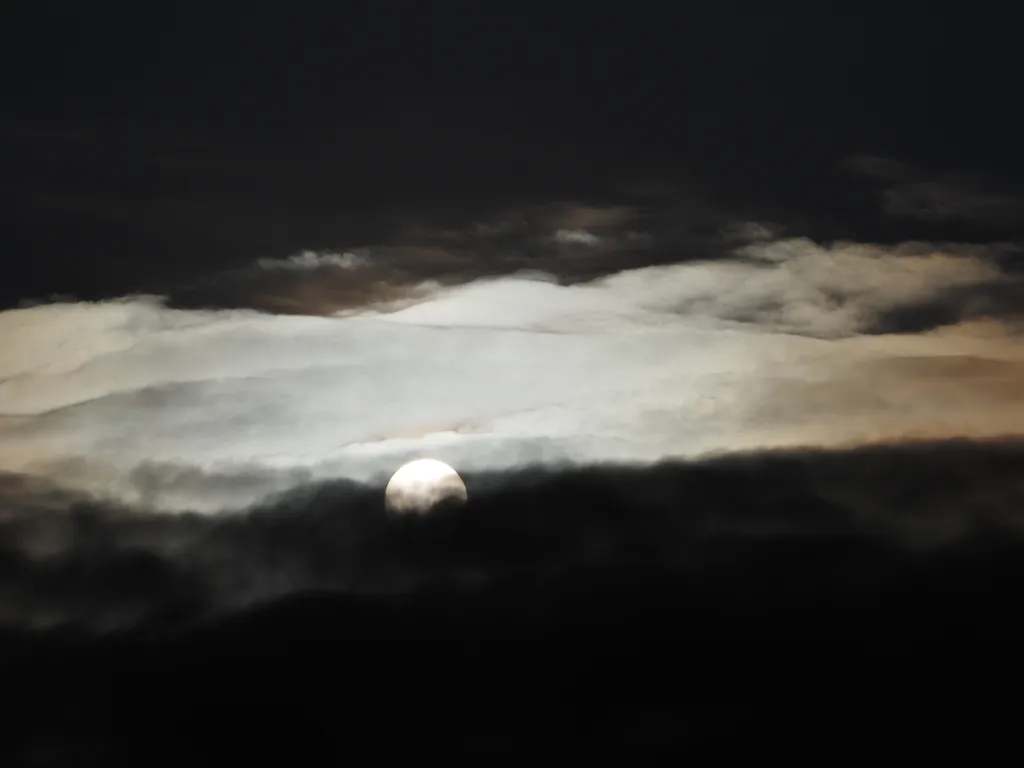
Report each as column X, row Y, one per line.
column 421, row 485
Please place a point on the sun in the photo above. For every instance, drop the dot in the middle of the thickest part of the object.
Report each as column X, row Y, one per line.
column 422, row 485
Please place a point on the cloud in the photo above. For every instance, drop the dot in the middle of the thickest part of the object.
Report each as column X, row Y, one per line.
column 68, row 560
column 576, row 237
column 952, row 200
column 752, row 231
column 317, row 260
column 941, row 196
column 784, row 343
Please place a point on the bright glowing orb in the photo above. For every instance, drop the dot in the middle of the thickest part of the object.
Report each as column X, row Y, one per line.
column 421, row 485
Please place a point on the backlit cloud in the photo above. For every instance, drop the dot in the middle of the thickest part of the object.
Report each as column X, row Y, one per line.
column 786, row 342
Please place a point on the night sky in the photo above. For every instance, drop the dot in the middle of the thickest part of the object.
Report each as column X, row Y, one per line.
column 716, row 309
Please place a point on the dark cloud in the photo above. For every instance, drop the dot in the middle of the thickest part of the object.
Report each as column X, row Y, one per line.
column 756, row 598
column 940, row 196
column 69, row 560
column 1002, row 299
column 572, row 242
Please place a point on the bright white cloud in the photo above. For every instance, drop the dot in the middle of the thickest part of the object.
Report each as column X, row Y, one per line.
column 213, row 410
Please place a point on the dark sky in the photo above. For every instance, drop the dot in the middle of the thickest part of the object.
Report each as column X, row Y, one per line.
column 146, row 146
column 302, row 67
column 425, row 86
column 726, row 45
column 197, row 134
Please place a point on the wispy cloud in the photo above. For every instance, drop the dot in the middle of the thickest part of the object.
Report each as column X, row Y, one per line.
column 317, row 260
column 926, row 195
